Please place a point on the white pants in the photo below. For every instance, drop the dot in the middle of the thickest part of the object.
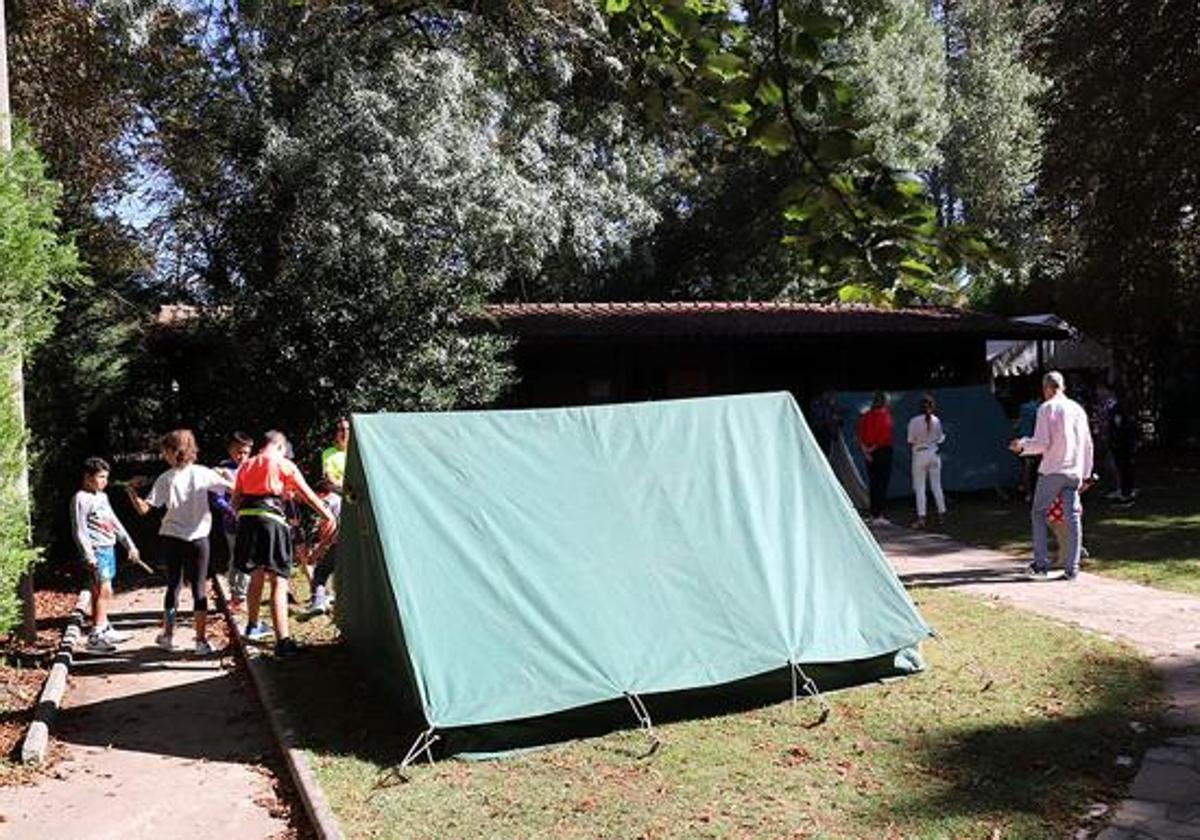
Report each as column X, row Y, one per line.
column 927, row 463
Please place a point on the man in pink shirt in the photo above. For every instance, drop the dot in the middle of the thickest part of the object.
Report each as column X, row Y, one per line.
column 1063, row 438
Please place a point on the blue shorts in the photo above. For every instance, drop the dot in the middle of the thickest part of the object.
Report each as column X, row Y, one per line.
column 106, row 563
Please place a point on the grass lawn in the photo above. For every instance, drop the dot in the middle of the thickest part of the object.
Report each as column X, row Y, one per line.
column 1014, row 732
column 1156, row 541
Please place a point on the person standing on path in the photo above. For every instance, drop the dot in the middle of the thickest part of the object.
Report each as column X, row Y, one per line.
column 925, row 435
column 333, row 459
column 264, row 536
column 825, row 422
column 238, row 449
column 325, row 551
column 1026, row 421
column 875, row 440
column 1102, row 406
column 1064, row 440
column 183, row 490
column 97, row 530
column 1123, row 438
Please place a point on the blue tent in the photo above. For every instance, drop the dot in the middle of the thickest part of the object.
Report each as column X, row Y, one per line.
column 975, row 455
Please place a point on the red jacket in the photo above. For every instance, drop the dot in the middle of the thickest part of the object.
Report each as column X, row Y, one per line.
column 875, row 428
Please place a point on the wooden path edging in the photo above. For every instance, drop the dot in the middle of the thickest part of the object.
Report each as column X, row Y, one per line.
column 37, row 737
column 321, row 816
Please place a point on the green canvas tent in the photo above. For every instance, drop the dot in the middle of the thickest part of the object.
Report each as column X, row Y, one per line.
column 501, row 568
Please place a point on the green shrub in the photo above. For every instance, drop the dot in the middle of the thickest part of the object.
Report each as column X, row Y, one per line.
column 36, row 261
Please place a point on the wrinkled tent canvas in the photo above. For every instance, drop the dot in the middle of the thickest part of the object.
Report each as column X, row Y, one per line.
column 503, row 566
column 975, row 455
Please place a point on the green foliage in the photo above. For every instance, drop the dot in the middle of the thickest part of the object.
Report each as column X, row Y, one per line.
column 896, row 61
column 16, row 554
column 35, row 262
column 71, row 83
column 767, row 78
column 1119, row 188
column 346, row 181
column 993, row 146
column 88, row 392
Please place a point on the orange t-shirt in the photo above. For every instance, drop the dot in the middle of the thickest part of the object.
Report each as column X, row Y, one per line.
column 265, row 475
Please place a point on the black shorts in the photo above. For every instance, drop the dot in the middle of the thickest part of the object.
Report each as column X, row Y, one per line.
column 263, row 542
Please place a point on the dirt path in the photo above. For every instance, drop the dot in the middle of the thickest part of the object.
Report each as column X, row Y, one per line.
column 1165, row 800
column 153, row 744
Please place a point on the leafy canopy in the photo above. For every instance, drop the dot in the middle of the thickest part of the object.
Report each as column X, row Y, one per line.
column 765, row 76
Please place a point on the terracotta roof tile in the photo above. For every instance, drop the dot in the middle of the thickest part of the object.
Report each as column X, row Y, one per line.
column 712, row 318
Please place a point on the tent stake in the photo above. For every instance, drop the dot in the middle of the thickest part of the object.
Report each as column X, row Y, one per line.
column 799, row 678
column 421, row 746
column 643, row 717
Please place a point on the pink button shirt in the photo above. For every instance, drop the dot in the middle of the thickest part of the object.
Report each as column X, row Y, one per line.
column 1062, row 437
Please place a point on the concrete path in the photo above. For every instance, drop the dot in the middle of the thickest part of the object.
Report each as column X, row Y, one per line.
column 154, row 744
column 1165, row 800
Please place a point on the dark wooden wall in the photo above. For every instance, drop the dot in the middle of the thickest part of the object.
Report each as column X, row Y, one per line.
column 567, row 371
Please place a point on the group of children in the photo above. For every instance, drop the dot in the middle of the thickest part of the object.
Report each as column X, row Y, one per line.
column 256, row 493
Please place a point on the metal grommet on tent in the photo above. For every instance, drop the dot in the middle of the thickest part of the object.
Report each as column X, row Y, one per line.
column 643, row 717
column 803, row 680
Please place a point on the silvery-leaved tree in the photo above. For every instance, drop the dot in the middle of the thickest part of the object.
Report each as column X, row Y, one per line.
column 347, row 181
column 769, row 77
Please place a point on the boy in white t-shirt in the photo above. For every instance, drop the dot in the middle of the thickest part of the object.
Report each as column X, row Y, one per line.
column 183, row 490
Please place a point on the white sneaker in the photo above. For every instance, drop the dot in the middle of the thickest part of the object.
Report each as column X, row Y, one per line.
column 203, row 648
column 165, row 641
column 320, row 602
column 1112, row 495
column 116, row 636
column 98, row 643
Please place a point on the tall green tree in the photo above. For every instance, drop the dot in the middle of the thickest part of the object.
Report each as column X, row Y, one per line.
column 993, row 145
column 722, row 233
column 1120, row 187
column 71, row 84
column 344, row 181
column 36, row 261
column 766, row 76
column 896, row 56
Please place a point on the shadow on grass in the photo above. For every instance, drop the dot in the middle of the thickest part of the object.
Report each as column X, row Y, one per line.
column 963, row 577
column 1050, row 766
column 344, row 712
column 1161, row 527
column 336, row 709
